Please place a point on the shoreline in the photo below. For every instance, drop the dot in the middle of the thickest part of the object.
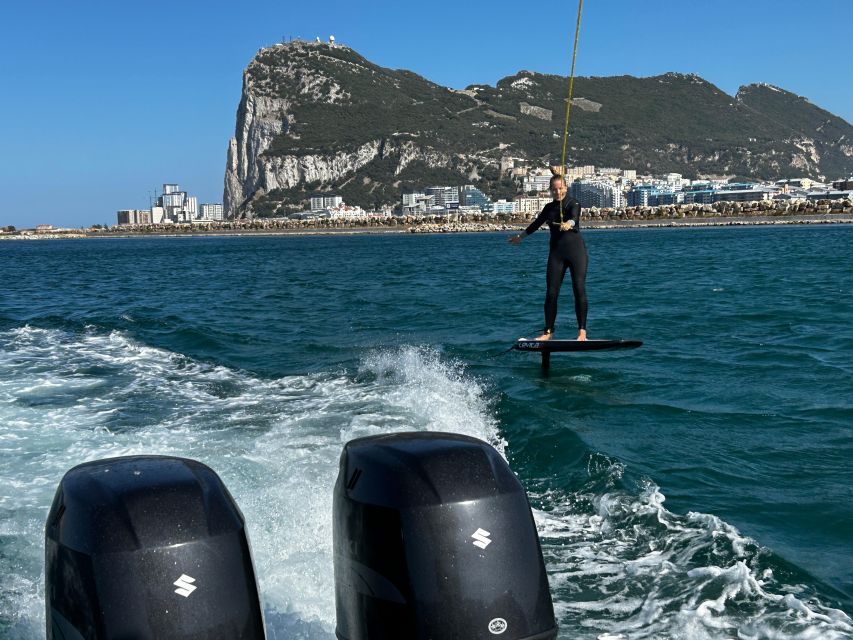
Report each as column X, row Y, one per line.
column 728, row 221
column 449, row 228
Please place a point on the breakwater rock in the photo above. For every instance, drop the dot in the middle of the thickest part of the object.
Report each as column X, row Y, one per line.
column 723, row 209
column 459, row 227
column 29, row 235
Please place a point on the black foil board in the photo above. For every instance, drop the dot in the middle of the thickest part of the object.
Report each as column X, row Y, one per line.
column 552, row 346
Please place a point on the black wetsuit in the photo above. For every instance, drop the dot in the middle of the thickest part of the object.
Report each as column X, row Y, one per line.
column 568, row 251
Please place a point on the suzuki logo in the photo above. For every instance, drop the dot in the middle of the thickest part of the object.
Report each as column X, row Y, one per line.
column 185, row 585
column 497, row 626
column 481, row 538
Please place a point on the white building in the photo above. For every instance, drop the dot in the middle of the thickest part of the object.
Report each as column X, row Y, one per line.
column 673, row 179
column 173, row 198
column 191, row 206
column 173, row 205
column 344, row 212
column 574, row 173
column 530, row 205
column 417, row 203
column 443, row 196
column 743, row 195
column 133, row 216
column 177, row 205
column 411, row 199
column 322, row 201
column 211, row 211
column 536, row 182
column 598, row 193
column 502, row 206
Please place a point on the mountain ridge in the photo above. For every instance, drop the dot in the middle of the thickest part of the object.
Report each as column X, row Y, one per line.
column 318, row 117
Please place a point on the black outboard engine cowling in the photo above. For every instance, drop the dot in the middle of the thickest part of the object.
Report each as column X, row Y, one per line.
column 434, row 540
column 148, row 547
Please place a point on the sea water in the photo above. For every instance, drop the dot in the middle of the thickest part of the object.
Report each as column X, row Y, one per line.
column 698, row 487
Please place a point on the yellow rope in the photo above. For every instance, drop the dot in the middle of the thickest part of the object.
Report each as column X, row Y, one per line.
column 569, row 102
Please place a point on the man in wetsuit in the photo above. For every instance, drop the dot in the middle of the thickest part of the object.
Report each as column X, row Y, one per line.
column 567, row 251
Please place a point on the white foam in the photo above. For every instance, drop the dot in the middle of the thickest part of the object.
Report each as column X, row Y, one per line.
column 275, row 443
column 624, row 566
column 620, row 564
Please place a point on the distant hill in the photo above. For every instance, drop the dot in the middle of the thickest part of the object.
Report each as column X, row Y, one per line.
column 315, row 117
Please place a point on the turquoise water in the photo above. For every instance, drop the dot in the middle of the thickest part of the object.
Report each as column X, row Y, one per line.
column 698, row 487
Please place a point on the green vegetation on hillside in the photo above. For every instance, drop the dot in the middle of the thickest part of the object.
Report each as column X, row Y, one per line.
column 673, row 122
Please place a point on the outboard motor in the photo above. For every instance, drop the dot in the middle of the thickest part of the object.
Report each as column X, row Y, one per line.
column 434, row 540
column 148, row 547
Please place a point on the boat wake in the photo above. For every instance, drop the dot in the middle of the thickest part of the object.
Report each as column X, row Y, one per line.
column 620, row 564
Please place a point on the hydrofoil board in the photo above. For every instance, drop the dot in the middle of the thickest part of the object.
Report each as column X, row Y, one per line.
column 554, row 346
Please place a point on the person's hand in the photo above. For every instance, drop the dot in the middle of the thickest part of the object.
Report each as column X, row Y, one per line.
column 556, row 170
column 516, row 239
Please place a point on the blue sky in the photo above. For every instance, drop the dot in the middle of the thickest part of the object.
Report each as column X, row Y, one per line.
column 104, row 101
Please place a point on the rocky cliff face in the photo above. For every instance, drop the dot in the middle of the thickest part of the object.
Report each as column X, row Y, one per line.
column 316, row 117
column 266, row 159
column 820, row 142
column 259, row 121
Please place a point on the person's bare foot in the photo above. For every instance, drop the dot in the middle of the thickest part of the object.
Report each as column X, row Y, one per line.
column 545, row 336
column 582, row 335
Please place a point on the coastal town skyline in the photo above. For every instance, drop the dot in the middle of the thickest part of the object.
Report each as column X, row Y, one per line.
column 87, row 128
column 608, row 188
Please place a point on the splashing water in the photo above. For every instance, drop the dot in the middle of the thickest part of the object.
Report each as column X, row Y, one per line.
column 620, row 564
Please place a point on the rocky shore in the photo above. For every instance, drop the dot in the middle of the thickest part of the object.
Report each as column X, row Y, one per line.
column 460, row 227
column 683, row 215
column 764, row 208
column 58, row 235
